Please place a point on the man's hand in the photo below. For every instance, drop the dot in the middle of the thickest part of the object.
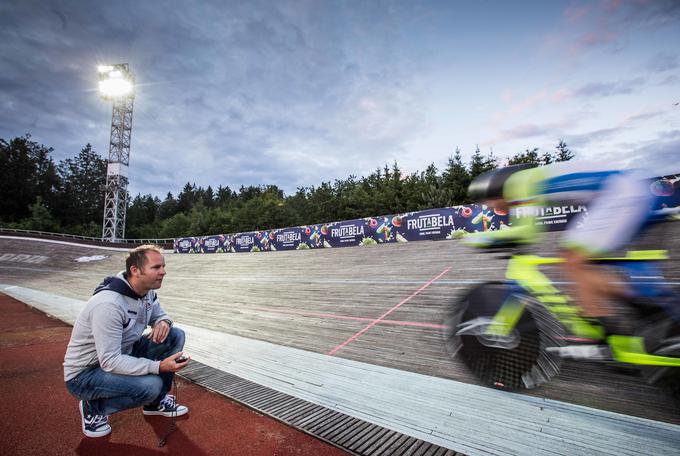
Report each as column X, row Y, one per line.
column 170, row 365
column 159, row 332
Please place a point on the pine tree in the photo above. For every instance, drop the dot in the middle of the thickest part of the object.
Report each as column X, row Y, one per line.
column 26, row 172
column 529, row 156
column 83, row 180
column 563, row 152
column 456, row 179
column 480, row 164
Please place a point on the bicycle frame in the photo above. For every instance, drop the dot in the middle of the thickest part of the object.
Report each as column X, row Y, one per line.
column 523, row 273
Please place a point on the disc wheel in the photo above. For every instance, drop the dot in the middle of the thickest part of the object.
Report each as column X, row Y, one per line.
column 513, row 362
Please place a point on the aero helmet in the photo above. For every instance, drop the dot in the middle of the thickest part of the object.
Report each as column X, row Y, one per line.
column 489, row 185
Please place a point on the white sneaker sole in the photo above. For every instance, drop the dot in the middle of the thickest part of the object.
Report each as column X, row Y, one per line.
column 101, row 433
column 181, row 410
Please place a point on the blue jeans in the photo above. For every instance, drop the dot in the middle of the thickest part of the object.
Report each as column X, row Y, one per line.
column 108, row 393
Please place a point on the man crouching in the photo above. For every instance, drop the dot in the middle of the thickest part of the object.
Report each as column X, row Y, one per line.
column 108, row 365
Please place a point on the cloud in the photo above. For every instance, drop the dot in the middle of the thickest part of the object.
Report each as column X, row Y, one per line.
column 602, row 135
column 548, row 130
column 519, row 106
column 663, row 61
column 585, row 139
column 288, row 93
column 250, row 94
column 671, row 79
column 574, row 14
column 520, row 132
column 608, row 24
column 643, row 12
column 644, row 116
column 654, row 154
column 608, row 89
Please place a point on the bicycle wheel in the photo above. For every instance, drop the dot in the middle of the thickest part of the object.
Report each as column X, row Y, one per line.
column 513, row 362
column 662, row 337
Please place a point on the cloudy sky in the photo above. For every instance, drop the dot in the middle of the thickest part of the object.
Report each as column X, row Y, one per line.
column 294, row 93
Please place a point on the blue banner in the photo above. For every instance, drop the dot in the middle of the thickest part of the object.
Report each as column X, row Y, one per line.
column 286, row 239
column 243, row 242
column 262, row 241
column 432, row 224
column 346, row 234
column 211, row 244
column 667, row 191
column 314, row 237
column 184, row 245
column 555, row 217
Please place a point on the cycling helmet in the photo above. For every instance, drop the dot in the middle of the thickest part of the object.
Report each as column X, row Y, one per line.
column 489, row 185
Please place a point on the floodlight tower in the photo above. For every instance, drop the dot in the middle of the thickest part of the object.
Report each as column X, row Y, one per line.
column 116, row 83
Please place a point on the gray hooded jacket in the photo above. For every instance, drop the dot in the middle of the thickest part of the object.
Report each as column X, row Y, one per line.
column 106, row 330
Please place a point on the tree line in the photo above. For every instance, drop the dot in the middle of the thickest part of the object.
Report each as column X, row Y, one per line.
column 68, row 197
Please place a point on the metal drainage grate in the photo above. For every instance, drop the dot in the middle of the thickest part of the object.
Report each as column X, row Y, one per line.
column 343, row 431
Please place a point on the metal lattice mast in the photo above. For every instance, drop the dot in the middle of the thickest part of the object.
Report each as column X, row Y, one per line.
column 116, row 196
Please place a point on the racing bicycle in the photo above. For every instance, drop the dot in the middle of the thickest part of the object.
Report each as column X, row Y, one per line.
column 514, row 334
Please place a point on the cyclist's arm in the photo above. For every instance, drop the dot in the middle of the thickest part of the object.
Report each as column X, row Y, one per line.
column 522, row 192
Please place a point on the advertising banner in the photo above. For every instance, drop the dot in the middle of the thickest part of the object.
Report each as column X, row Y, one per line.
column 382, row 230
column 185, row 245
column 447, row 223
column 479, row 217
column 314, row 237
column 243, row 242
column 285, row 239
column 348, row 233
column 555, row 217
column 667, row 191
column 432, row 224
column 211, row 244
column 262, row 241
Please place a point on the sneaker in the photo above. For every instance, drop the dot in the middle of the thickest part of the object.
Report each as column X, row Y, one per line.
column 94, row 425
column 166, row 407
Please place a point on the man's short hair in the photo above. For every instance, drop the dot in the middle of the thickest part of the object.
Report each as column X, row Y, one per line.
column 137, row 256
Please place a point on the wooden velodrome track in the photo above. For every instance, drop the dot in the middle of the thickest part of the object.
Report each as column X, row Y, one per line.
column 330, row 301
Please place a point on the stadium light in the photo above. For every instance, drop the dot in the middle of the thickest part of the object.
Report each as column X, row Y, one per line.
column 117, row 84
column 115, row 81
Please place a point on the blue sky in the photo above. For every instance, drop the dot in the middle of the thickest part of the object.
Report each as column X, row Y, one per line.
column 296, row 93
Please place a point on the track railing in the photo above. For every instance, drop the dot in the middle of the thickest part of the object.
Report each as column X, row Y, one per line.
column 165, row 243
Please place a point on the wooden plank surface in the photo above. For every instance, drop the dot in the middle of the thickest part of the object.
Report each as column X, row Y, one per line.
column 316, row 300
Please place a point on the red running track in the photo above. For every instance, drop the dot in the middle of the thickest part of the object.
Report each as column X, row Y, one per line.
column 39, row 416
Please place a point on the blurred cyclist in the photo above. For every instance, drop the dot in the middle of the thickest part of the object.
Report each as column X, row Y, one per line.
column 619, row 203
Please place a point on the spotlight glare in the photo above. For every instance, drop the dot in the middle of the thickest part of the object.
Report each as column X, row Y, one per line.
column 115, row 81
column 113, row 88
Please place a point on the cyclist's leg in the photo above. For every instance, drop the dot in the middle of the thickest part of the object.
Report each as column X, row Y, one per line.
column 593, row 284
column 615, row 217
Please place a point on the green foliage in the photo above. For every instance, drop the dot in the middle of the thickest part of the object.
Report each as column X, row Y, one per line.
column 480, row 164
column 69, row 197
column 26, row 172
column 81, row 196
column 41, row 219
column 563, row 152
column 176, row 226
column 456, row 179
column 530, row 156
